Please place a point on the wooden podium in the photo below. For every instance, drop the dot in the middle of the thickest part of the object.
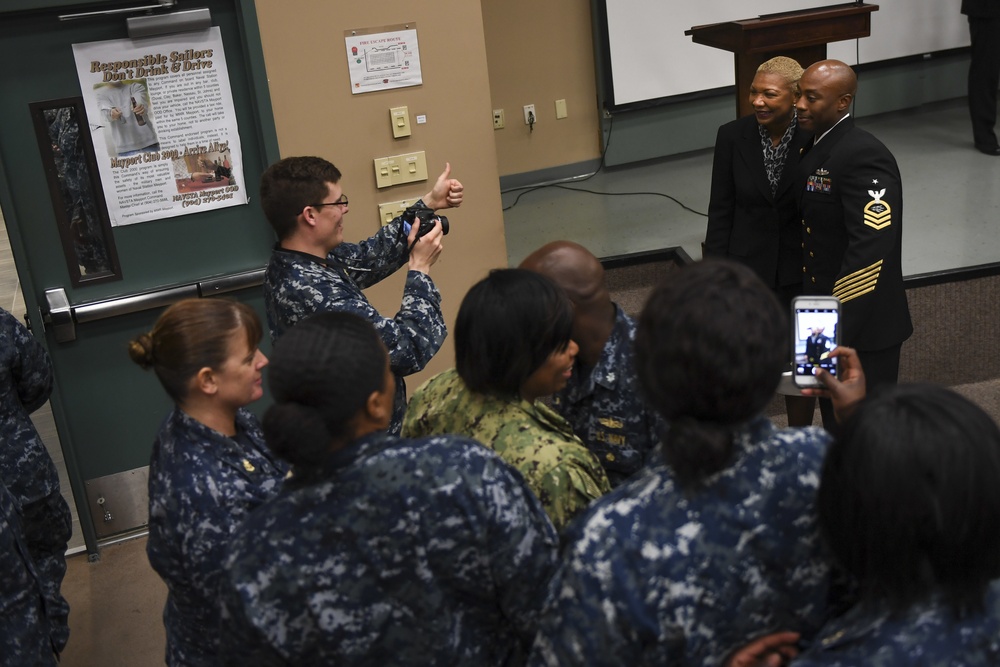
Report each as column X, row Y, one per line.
column 802, row 35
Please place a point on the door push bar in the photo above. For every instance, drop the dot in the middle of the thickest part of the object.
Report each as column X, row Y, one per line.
column 62, row 316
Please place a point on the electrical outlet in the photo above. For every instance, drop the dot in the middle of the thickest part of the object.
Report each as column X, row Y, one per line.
column 529, row 114
column 498, row 119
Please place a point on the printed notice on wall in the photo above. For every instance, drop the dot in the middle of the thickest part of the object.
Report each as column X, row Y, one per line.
column 383, row 58
column 164, row 127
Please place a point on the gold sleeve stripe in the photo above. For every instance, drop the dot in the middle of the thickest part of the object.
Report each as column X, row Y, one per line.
column 856, row 291
column 859, row 274
column 845, row 299
column 848, row 285
column 858, row 283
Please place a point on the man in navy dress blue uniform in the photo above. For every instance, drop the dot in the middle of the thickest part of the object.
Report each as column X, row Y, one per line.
column 851, row 203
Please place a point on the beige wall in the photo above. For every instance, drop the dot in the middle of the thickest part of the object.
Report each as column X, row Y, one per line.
column 540, row 52
column 316, row 114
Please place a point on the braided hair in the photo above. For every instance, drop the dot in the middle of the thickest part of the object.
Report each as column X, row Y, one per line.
column 710, row 349
column 322, row 372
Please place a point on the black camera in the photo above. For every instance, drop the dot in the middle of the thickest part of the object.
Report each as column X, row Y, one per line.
column 426, row 218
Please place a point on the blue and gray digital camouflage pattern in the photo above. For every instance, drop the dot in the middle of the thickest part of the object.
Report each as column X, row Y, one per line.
column 395, row 552
column 652, row 575
column 928, row 635
column 530, row 436
column 202, row 484
column 297, row 285
column 606, row 409
column 26, row 467
column 25, row 637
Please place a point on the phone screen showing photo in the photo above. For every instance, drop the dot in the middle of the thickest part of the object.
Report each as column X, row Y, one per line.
column 815, row 337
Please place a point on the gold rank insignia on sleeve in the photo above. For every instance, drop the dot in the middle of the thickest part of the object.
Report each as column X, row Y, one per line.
column 860, row 282
column 248, row 466
column 878, row 215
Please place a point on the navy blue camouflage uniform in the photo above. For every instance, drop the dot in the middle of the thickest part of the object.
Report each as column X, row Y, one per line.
column 927, row 634
column 653, row 575
column 25, row 636
column 606, row 409
column 297, row 285
column 396, row 552
column 202, row 484
column 26, row 468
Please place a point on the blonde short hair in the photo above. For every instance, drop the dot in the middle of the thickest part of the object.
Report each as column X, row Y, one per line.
column 785, row 67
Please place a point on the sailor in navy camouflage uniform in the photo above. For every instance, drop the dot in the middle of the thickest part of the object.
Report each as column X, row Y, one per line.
column 908, row 502
column 606, row 409
column 26, row 467
column 202, row 481
column 379, row 550
column 718, row 542
column 602, row 399
column 25, row 635
column 654, row 576
column 928, row 634
column 202, row 485
column 313, row 270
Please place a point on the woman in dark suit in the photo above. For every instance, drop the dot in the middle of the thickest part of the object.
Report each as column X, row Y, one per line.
column 753, row 212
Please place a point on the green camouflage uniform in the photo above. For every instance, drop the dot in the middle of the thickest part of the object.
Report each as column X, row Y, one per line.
column 532, row 437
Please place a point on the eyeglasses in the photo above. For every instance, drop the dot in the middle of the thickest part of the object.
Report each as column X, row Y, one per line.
column 340, row 202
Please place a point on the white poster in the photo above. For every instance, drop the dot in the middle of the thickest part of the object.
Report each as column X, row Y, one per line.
column 384, row 59
column 164, row 127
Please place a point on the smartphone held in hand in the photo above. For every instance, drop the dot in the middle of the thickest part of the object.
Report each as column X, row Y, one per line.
column 815, row 332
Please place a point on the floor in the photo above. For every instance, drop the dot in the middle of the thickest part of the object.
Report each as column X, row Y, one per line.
column 950, row 193
column 116, row 609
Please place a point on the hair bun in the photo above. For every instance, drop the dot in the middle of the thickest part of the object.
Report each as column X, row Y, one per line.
column 140, row 350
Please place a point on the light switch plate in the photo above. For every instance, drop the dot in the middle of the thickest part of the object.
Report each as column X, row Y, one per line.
column 400, row 117
column 390, row 210
column 399, row 169
column 383, row 174
column 561, row 109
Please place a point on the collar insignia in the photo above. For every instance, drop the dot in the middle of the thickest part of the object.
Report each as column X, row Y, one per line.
column 609, row 422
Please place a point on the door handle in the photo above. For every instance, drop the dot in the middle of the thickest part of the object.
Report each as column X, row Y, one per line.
column 62, row 316
column 59, row 315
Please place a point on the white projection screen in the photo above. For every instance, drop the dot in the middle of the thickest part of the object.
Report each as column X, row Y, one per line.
column 651, row 58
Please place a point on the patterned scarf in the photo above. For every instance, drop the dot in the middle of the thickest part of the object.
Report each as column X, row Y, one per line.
column 774, row 156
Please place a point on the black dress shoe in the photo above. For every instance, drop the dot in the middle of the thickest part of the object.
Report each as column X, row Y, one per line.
column 988, row 150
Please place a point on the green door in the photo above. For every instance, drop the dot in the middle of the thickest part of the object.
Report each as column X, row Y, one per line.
column 106, row 409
